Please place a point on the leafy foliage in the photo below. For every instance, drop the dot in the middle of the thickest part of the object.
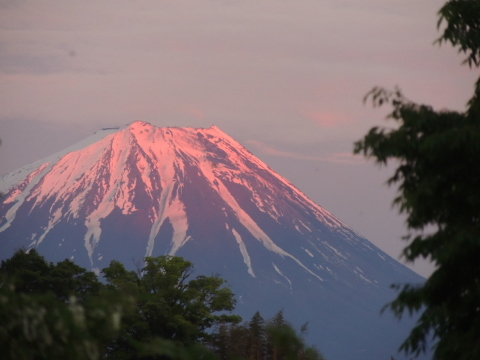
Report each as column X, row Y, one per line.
column 438, row 179
column 56, row 311
column 31, row 274
column 168, row 304
column 462, row 27
column 62, row 311
column 50, row 311
column 41, row 327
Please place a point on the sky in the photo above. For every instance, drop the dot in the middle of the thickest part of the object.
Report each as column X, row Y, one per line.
column 285, row 78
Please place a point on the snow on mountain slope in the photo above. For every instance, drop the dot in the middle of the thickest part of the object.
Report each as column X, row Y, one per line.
column 123, row 194
column 94, row 177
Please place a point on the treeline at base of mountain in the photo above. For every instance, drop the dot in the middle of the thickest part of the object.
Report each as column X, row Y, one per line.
column 62, row 311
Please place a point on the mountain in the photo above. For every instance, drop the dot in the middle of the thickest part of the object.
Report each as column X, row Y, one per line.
column 126, row 193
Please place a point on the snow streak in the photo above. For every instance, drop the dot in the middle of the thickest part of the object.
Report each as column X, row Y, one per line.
column 243, row 250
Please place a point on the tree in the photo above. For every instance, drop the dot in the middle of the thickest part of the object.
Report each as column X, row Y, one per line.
column 28, row 271
column 57, row 311
column 34, row 327
column 463, row 30
column 231, row 341
column 438, row 177
column 168, row 304
column 51, row 311
column 32, row 274
column 284, row 342
column 257, row 340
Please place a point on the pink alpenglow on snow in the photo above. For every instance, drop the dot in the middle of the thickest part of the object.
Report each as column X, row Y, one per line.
column 97, row 179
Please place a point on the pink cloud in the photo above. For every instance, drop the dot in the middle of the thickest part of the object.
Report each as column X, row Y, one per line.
column 337, row 158
column 326, row 119
column 195, row 112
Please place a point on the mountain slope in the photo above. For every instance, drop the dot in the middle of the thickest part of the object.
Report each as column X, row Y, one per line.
column 145, row 191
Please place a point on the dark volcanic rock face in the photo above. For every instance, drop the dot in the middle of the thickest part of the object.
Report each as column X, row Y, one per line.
column 124, row 194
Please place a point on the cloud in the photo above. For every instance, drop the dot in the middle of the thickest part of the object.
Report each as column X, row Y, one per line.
column 326, row 119
column 337, row 158
column 194, row 112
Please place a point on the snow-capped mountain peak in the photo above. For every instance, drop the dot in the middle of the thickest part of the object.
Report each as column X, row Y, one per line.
column 140, row 190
